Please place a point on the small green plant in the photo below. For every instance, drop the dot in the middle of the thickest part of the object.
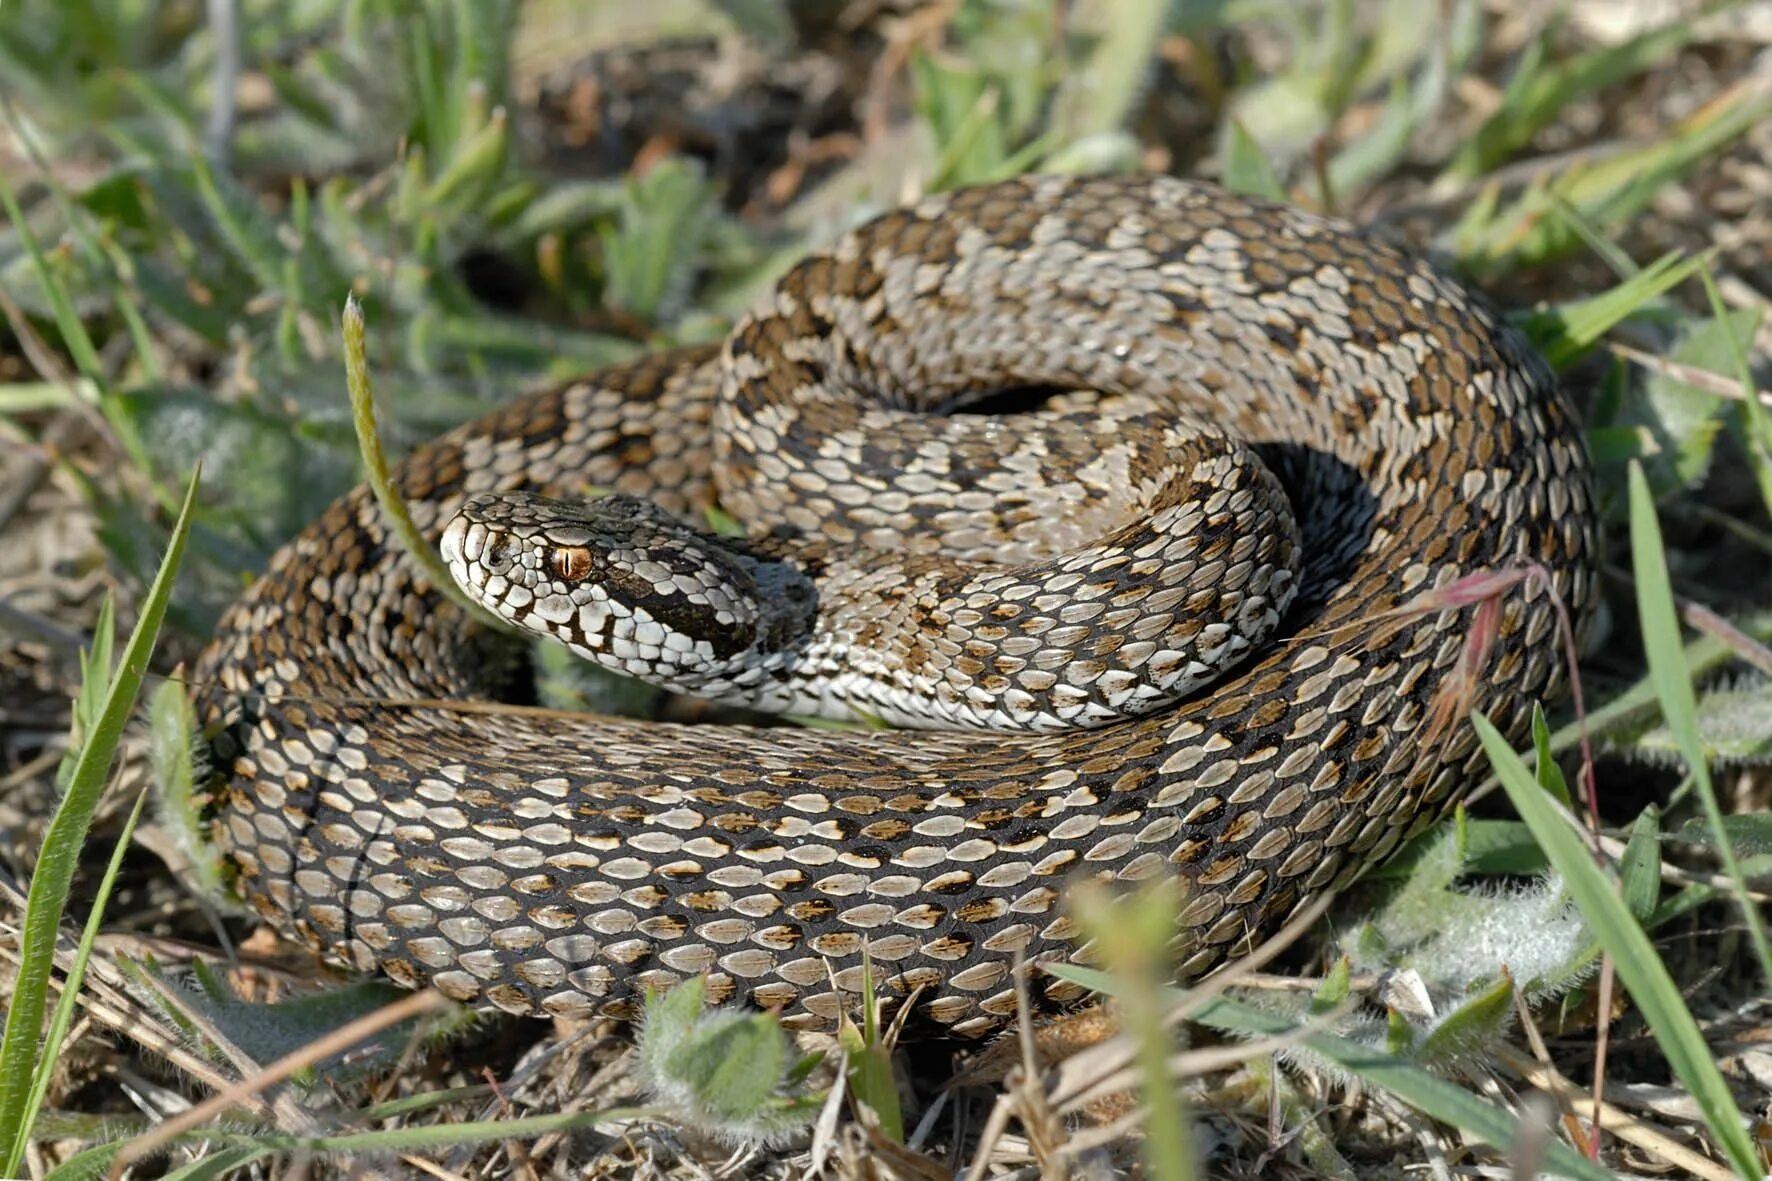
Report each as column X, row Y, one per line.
column 731, row 1074
column 867, row 1050
column 1452, row 954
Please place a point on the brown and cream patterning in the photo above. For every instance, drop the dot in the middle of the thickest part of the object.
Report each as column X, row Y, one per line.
column 1236, row 418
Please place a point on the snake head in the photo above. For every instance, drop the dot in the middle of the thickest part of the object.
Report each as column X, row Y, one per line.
column 630, row 587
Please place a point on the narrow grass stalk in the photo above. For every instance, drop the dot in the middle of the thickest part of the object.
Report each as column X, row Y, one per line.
column 63, row 1018
column 1756, row 425
column 67, row 320
column 868, row 1052
column 1642, row 971
column 54, row 874
column 375, row 465
column 1565, row 333
column 75, row 338
column 1673, row 685
column 431, row 1136
column 1133, row 936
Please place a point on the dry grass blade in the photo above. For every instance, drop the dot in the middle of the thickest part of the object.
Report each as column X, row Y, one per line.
column 1704, row 379
column 105, row 995
column 1039, row 1099
column 1611, row 1119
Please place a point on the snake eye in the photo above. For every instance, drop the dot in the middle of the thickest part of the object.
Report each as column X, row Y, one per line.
column 570, row 563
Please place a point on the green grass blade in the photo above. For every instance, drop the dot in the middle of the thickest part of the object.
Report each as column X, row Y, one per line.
column 246, row 1147
column 1673, row 685
column 1434, row 1096
column 67, row 320
column 1756, row 425
column 1639, row 870
column 1705, row 654
column 93, row 1163
column 869, row 1071
column 63, row 1018
column 243, row 226
column 1642, row 971
column 375, row 464
column 54, row 874
column 1098, row 93
column 219, row 1165
column 1565, row 332
column 1540, row 90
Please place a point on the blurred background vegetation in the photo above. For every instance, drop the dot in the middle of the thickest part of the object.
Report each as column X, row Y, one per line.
column 520, row 193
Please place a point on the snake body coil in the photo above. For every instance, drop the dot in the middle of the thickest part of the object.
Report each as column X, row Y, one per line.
column 551, row 866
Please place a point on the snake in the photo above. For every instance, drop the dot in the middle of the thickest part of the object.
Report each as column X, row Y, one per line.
column 1161, row 505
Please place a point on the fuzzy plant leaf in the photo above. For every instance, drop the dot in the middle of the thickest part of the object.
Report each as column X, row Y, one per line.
column 1681, row 420
column 728, row 1073
column 734, row 1063
column 267, row 1032
column 650, row 257
column 1452, row 952
column 1462, row 1035
column 271, row 473
column 1734, row 728
column 1750, row 833
column 1459, row 939
column 1492, row 848
column 172, row 755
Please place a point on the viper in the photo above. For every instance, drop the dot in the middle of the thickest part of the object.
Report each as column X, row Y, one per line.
column 1155, row 501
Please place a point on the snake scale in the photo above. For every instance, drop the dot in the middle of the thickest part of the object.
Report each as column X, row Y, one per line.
column 557, row 866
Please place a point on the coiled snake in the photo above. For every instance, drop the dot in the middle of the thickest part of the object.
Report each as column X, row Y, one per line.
column 556, row 866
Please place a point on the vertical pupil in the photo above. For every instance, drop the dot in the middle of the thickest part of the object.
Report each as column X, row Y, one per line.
column 570, row 563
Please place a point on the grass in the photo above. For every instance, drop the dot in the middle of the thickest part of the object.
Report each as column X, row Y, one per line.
column 107, row 699
column 170, row 307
